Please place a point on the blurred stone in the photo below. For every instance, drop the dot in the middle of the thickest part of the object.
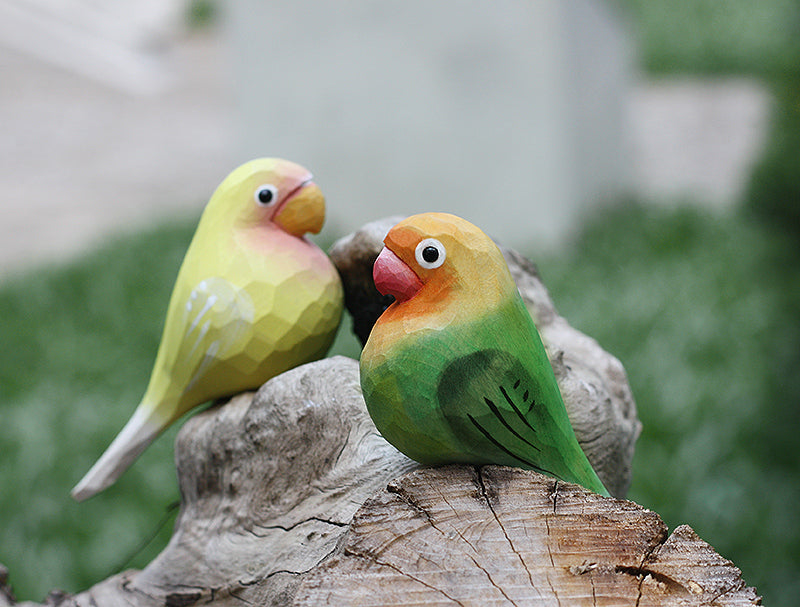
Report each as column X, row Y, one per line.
column 696, row 139
column 442, row 106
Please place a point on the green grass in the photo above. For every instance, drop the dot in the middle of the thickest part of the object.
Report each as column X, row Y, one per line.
column 709, row 325
column 701, row 309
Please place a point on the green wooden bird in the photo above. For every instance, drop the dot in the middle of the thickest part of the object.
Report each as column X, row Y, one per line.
column 454, row 371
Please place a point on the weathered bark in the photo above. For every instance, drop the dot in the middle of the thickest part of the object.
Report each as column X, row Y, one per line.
column 268, row 484
column 291, row 497
column 592, row 381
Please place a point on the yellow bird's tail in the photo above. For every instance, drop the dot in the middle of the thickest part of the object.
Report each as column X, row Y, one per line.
column 142, row 428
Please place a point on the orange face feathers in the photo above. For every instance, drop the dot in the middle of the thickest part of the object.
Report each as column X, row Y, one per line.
column 436, row 259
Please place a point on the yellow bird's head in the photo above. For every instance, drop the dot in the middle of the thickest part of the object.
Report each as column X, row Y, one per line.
column 270, row 190
column 436, row 259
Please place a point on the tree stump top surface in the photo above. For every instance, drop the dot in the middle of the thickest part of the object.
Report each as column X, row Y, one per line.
column 501, row 536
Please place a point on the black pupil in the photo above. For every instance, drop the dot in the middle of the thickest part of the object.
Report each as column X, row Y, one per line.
column 265, row 195
column 430, row 254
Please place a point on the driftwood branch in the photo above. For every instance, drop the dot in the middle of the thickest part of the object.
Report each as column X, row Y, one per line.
column 291, row 497
column 269, row 482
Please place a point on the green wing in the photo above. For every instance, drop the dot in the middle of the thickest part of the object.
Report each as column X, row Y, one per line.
column 509, row 413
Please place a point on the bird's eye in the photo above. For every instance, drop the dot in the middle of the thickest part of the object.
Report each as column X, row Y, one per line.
column 266, row 194
column 430, row 253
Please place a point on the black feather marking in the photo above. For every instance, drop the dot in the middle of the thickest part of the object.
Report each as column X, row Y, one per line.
column 516, row 409
column 525, row 396
column 492, row 440
column 500, row 417
column 516, row 384
column 532, row 405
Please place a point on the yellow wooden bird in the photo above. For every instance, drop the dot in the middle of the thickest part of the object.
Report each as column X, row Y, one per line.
column 253, row 298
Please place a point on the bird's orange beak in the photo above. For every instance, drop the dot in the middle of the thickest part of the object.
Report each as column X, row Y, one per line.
column 303, row 211
column 392, row 276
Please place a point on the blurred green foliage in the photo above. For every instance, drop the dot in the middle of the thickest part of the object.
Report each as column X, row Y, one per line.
column 713, row 37
column 773, row 193
column 716, row 370
column 201, row 13
column 78, row 343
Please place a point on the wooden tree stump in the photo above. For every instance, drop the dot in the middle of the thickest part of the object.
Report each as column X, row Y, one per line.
column 291, row 497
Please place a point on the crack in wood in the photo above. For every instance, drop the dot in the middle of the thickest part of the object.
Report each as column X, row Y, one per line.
column 458, row 516
column 349, row 550
column 396, row 569
column 549, row 548
column 505, row 533
column 403, row 494
column 241, row 599
column 191, row 596
column 297, row 524
column 646, row 557
column 553, row 496
column 639, row 591
column 179, row 599
column 642, row 573
column 552, row 588
column 733, row 588
column 345, row 443
column 589, row 440
column 491, row 581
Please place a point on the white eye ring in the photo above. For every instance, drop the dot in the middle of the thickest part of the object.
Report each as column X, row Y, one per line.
column 265, row 195
column 430, row 259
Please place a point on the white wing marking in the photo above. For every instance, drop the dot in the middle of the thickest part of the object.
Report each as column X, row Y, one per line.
column 224, row 315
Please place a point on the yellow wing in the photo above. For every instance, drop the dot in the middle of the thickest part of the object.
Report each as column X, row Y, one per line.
column 214, row 322
column 217, row 317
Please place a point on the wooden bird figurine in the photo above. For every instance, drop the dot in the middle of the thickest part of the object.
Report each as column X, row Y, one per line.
column 253, row 298
column 454, row 371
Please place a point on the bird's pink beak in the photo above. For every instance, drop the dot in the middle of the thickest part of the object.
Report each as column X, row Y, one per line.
column 392, row 276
